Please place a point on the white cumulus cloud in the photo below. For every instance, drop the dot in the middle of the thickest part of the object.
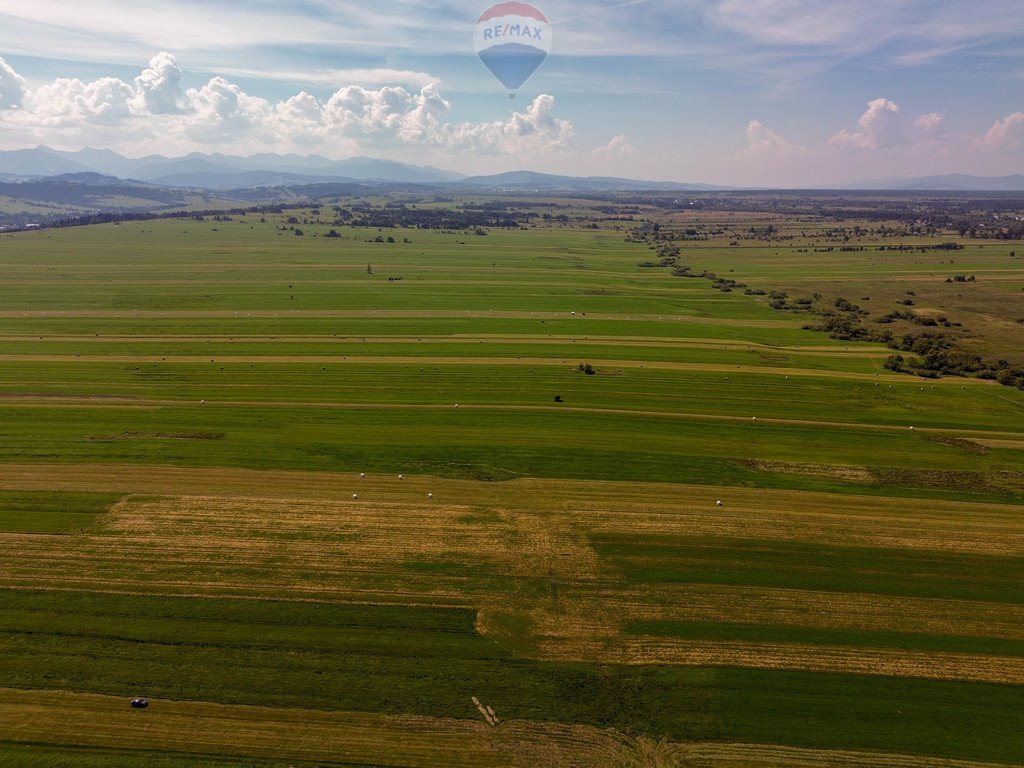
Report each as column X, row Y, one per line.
column 12, row 87
column 221, row 110
column 70, row 101
column 389, row 111
column 932, row 126
column 154, row 112
column 619, row 148
column 1006, row 135
column 880, row 128
column 763, row 142
column 159, row 87
column 535, row 131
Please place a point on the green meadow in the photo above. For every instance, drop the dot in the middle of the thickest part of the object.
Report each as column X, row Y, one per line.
column 648, row 522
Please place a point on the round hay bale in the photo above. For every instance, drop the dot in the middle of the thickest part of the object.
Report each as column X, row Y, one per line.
column 139, row 703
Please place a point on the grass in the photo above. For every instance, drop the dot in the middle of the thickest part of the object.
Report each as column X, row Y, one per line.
column 816, row 636
column 827, row 568
column 191, row 403
column 264, row 653
column 46, row 512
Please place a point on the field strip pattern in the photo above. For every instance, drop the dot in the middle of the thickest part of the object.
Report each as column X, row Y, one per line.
column 308, row 495
column 140, row 403
column 453, row 360
column 410, row 313
column 794, row 656
column 391, row 544
column 558, row 494
column 653, row 342
column 766, row 756
column 187, row 728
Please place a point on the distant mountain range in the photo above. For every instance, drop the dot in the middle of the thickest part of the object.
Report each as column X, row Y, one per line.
column 216, row 171
column 43, row 185
column 520, row 181
column 222, row 173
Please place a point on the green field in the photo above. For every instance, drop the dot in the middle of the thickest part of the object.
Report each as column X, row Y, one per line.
column 735, row 543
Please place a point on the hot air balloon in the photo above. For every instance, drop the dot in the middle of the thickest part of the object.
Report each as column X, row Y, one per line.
column 512, row 40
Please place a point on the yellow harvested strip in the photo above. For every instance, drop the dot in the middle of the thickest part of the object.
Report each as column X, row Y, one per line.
column 770, row 756
column 851, row 611
column 1014, row 445
column 590, row 625
column 1000, row 534
column 423, row 551
column 518, row 550
column 792, row 656
column 58, row 719
column 661, row 501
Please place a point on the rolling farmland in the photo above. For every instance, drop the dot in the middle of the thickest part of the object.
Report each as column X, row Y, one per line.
column 313, row 496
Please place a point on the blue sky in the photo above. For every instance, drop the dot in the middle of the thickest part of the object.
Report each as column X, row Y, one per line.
column 765, row 92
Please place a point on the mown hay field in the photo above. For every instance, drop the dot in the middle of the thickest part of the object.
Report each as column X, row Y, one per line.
column 313, row 496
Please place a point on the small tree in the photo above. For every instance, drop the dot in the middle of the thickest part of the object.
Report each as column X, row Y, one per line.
column 894, row 363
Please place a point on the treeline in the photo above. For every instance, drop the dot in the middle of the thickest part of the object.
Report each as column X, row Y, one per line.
column 929, row 354
column 436, row 219
column 126, row 216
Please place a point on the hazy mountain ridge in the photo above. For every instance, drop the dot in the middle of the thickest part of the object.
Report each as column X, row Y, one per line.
column 220, row 172
column 529, row 180
column 201, row 170
column 43, row 185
